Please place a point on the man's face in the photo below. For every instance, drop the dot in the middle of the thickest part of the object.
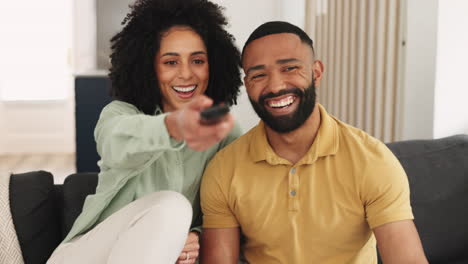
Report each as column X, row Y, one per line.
column 280, row 79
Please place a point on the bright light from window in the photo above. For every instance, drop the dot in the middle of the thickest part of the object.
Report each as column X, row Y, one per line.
column 34, row 50
column 451, row 111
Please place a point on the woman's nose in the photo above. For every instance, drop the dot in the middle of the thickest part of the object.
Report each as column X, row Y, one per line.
column 185, row 71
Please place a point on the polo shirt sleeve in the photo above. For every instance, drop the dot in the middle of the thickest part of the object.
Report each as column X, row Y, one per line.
column 214, row 199
column 128, row 139
column 385, row 190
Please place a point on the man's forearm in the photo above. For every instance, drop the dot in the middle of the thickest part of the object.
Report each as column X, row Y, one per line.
column 220, row 246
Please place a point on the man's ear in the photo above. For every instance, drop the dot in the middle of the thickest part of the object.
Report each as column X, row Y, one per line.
column 317, row 69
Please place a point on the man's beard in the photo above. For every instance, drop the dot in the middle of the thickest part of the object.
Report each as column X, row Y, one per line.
column 289, row 122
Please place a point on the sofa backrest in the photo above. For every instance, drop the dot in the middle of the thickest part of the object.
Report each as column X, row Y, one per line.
column 438, row 176
column 75, row 189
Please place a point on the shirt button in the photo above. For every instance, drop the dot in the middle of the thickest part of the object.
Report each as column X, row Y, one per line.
column 293, row 170
column 293, row 193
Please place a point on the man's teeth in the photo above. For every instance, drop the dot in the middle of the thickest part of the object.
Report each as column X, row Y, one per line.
column 282, row 103
column 184, row 89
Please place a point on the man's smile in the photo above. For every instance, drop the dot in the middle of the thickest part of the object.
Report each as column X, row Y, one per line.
column 282, row 105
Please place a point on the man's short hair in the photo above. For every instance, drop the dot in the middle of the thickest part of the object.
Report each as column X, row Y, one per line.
column 277, row 27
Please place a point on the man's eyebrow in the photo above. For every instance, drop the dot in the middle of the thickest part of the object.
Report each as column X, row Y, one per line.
column 177, row 54
column 284, row 61
column 254, row 68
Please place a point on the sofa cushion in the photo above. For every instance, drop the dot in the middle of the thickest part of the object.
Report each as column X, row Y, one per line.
column 438, row 175
column 75, row 189
column 35, row 215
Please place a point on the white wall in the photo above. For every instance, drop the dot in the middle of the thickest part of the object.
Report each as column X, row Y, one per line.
column 84, row 36
column 111, row 13
column 417, row 105
column 2, row 129
column 451, row 91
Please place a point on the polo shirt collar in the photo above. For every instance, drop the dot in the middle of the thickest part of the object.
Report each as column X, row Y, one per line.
column 325, row 144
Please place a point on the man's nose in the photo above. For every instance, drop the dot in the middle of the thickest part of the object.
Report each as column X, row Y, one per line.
column 276, row 83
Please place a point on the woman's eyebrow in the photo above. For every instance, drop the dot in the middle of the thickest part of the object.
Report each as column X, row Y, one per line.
column 170, row 54
column 198, row 53
column 177, row 54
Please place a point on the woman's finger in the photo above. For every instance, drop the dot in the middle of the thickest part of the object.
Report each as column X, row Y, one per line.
column 191, row 247
column 192, row 237
column 187, row 256
column 183, row 256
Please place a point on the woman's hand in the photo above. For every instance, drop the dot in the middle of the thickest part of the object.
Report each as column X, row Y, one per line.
column 184, row 124
column 190, row 252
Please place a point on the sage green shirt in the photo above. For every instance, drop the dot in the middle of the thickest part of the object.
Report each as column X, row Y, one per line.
column 139, row 157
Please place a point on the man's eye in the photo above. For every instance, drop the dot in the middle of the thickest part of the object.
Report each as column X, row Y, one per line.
column 290, row 68
column 258, row 76
column 170, row 62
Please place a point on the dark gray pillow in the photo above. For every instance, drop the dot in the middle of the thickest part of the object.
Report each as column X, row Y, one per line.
column 35, row 215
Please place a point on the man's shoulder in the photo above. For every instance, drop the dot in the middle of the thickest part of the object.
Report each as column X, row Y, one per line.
column 359, row 142
column 237, row 149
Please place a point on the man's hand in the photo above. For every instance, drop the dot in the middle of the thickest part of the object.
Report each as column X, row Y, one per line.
column 184, row 124
column 191, row 250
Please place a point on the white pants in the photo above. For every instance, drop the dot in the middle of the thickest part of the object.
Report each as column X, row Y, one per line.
column 152, row 229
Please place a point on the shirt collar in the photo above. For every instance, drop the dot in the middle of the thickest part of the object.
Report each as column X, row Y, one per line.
column 326, row 142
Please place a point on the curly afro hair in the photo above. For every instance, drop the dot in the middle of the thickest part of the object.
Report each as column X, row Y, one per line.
column 134, row 49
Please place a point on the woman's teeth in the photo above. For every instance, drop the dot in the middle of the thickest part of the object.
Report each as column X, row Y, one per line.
column 184, row 89
column 282, row 103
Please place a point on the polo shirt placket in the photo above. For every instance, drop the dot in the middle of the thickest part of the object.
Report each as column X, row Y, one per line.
column 293, row 190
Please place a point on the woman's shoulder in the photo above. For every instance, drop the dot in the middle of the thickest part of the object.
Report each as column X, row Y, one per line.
column 117, row 106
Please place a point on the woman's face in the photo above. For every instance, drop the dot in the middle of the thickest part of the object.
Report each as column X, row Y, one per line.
column 181, row 66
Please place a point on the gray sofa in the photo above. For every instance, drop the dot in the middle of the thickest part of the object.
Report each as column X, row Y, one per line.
column 437, row 170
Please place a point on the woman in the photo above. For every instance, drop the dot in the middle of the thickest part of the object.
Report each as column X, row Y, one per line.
column 171, row 60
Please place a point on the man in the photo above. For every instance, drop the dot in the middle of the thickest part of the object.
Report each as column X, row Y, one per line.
column 302, row 187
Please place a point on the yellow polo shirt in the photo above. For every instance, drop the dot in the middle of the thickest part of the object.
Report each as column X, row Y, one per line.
column 320, row 210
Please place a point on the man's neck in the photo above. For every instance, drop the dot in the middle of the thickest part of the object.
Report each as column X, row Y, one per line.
column 294, row 145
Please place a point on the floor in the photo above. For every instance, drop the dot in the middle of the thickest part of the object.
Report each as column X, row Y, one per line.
column 60, row 165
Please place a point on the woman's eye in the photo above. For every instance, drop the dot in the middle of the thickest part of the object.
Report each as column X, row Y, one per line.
column 198, row 61
column 170, row 62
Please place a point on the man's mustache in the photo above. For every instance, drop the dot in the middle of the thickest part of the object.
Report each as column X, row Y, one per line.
column 269, row 95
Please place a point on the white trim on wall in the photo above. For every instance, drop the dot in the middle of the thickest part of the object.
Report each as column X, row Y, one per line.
column 35, row 143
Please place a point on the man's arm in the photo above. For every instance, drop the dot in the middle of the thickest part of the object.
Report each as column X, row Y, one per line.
column 220, row 245
column 398, row 242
